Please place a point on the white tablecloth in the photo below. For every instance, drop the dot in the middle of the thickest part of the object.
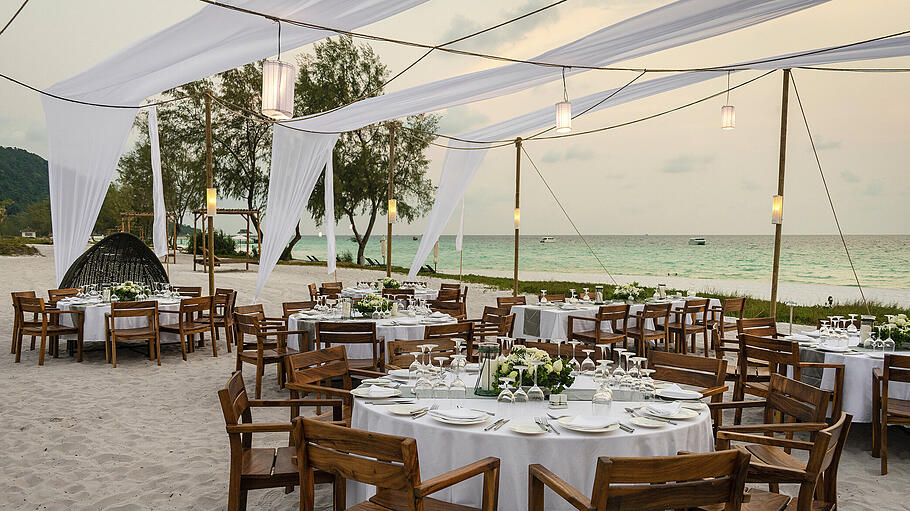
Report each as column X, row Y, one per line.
column 386, row 329
column 570, row 455
column 94, row 327
column 554, row 321
column 353, row 292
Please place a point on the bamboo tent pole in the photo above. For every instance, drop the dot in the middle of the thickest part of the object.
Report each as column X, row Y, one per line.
column 785, row 99
column 211, row 184
column 517, row 212
column 388, row 240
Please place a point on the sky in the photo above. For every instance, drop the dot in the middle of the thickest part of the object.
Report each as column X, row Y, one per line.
column 677, row 174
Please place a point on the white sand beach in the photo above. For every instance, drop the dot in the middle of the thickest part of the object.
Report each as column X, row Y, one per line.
column 88, row 436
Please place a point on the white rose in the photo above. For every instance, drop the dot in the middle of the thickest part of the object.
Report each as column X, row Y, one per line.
column 557, row 366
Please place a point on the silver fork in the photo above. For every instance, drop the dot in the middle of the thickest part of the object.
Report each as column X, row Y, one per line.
column 541, row 425
column 649, row 416
column 420, row 413
column 547, row 424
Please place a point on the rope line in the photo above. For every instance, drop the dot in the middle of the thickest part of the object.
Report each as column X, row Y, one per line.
column 580, row 235
column 828, row 193
column 10, row 22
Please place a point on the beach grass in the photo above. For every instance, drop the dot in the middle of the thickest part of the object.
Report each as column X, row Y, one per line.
column 755, row 307
column 19, row 246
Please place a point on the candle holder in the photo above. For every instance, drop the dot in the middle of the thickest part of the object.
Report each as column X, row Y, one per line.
column 488, row 352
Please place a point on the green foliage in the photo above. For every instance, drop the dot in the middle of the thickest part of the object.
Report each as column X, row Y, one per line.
column 17, row 246
column 23, row 179
column 224, row 244
column 346, row 257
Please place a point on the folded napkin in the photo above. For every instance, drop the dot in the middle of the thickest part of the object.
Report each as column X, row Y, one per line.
column 438, row 314
column 378, row 381
column 674, row 388
column 459, row 414
column 400, row 373
column 663, row 409
column 591, row 421
column 379, row 391
column 800, row 338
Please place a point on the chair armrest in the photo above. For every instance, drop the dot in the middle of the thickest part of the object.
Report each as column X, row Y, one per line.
column 563, row 489
column 58, row 312
column 306, row 387
column 877, row 373
column 581, row 318
column 727, row 436
column 714, row 391
column 262, row 427
column 822, row 364
column 456, row 476
column 364, row 373
column 294, row 402
column 774, row 428
column 736, row 404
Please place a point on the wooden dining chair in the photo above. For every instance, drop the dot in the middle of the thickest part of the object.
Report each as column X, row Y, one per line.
column 455, row 309
column 723, row 318
column 188, row 323
column 446, row 295
column 641, row 334
column 589, row 330
column 493, row 324
column 505, row 303
column 856, row 322
column 461, row 330
column 552, row 297
column 685, row 323
column 265, row 322
column 762, row 327
column 17, row 326
column 314, row 372
column 706, row 373
column 224, row 301
column 771, row 462
column 314, row 291
column 148, row 332
column 886, row 409
column 652, row 483
column 269, row 346
column 190, row 291
column 48, row 328
column 331, row 333
column 289, row 308
column 396, row 293
column 399, row 352
column 390, row 463
column 254, row 468
column 55, row 295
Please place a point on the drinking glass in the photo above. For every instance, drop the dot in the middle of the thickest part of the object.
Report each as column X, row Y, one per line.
column 458, row 389
column 558, row 346
column 889, row 343
column 414, row 368
column 535, row 393
column 602, row 402
column 572, row 292
column 587, row 364
column 441, row 360
column 505, row 395
column 520, row 395
column 440, row 386
column 424, row 387
column 647, row 383
column 619, row 373
column 543, row 296
column 586, row 297
column 574, row 362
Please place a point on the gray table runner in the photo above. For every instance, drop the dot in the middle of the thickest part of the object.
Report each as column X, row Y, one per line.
column 532, row 322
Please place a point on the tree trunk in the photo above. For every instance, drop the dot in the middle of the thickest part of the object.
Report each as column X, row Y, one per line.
column 286, row 255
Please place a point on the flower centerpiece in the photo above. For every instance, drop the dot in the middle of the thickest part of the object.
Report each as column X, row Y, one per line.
column 553, row 375
column 390, row 283
column 372, row 303
column 629, row 292
column 127, row 291
column 897, row 327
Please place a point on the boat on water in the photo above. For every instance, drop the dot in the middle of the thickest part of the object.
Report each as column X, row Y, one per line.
column 241, row 236
column 547, row 239
column 697, row 241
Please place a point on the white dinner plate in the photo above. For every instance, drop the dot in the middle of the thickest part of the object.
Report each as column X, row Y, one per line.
column 698, row 407
column 647, row 423
column 386, row 392
column 566, row 423
column 681, row 414
column 833, row 349
column 527, row 428
column 400, row 373
column 460, row 422
column 404, row 409
column 876, row 354
column 678, row 394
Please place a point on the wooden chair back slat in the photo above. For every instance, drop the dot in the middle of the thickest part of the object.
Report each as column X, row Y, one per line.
column 53, row 295
column 200, row 305
column 395, row 293
column 448, row 295
column 830, row 460
column 251, row 310
column 552, row 297
column 399, row 352
column 191, row 291
column 778, row 354
column 313, row 290
column 761, row 327
column 655, row 310
column 730, row 305
column 318, row 365
column 897, row 368
column 289, row 308
column 505, row 303
column 31, row 305
column 454, row 309
column 687, row 369
column 796, row 399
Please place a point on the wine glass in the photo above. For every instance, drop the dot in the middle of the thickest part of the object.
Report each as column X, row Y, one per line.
column 441, row 387
column 572, row 293
column 603, row 351
column 587, row 364
column 458, row 389
column 574, row 361
column 647, row 383
column 535, row 393
column 505, row 395
column 520, row 395
column 888, row 345
column 558, row 346
column 543, row 296
column 424, row 386
column 586, row 297
column 851, row 328
column 414, row 368
column 619, row 373
column 602, row 402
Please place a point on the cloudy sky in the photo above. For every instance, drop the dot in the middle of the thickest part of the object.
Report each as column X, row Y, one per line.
column 679, row 174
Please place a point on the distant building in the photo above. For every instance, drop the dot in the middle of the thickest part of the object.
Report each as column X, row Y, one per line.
column 28, row 233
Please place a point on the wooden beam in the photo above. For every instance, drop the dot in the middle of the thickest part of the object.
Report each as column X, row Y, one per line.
column 517, row 205
column 388, row 239
column 785, row 100
column 211, row 184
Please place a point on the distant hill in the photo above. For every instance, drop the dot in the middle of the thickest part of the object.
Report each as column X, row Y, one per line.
column 23, row 178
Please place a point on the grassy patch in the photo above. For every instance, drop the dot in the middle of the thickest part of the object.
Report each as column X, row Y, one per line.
column 17, row 246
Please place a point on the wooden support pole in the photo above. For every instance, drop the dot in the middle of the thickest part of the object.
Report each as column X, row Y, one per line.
column 785, row 99
column 388, row 239
column 517, row 210
column 211, row 184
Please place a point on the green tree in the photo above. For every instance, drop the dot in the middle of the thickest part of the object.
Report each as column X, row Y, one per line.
column 340, row 72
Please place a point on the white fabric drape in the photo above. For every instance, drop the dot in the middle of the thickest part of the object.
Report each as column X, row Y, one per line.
column 460, row 166
column 329, row 198
column 84, row 142
column 159, row 226
column 295, row 169
column 459, row 239
column 678, row 23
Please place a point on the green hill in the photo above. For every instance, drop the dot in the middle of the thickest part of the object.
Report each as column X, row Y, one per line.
column 23, row 178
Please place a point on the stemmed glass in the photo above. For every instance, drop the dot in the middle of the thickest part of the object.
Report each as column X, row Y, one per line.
column 878, row 343
column 520, row 395
column 602, row 401
column 441, row 387
column 424, row 387
column 888, row 344
column 585, row 295
column 574, row 362
column 458, row 389
column 543, row 296
column 572, row 292
column 558, row 346
column 505, row 395
column 647, row 383
column 587, row 364
column 852, row 326
column 619, row 373
column 414, row 368
column 535, row 393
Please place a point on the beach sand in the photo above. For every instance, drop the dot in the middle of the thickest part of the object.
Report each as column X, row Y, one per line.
column 87, row 436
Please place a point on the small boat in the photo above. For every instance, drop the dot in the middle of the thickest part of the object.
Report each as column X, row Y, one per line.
column 697, row 241
column 547, row 239
column 414, row 238
column 242, row 234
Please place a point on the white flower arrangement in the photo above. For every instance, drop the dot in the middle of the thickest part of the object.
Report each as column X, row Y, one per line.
column 390, row 283
column 127, row 291
column 554, row 375
column 897, row 327
column 628, row 292
column 371, row 303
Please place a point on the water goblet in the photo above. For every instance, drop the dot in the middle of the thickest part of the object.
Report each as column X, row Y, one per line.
column 586, row 297
column 647, row 383
column 424, row 386
column 587, row 364
column 574, row 361
column 572, row 292
column 414, row 368
column 619, row 373
column 602, row 402
column 520, row 395
column 603, row 351
column 889, row 344
column 505, row 395
column 535, row 393
column 458, row 389
column 558, row 346
column 441, row 360
column 543, row 296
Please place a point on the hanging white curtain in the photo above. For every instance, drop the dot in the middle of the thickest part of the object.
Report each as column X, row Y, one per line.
column 84, row 142
column 159, row 226
column 460, row 166
column 678, row 23
column 459, row 239
column 295, row 169
column 329, row 198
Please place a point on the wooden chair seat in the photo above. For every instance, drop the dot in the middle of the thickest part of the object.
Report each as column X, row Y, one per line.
column 390, row 500
column 898, row 407
column 141, row 332
column 268, row 356
column 604, row 336
column 269, row 463
column 771, row 455
column 816, row 505
column 636, row 331
column 759, row 500
column 52, row 330
column 189, row 327
column 688, row 327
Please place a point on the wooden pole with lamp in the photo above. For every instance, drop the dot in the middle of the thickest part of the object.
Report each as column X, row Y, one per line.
column 392, row 205
column 517, row 213
column 210, row 196
column 777, row 202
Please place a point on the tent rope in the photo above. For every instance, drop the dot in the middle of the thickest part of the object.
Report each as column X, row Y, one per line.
column 16, row 14
column 569, row 218
column 828, row 193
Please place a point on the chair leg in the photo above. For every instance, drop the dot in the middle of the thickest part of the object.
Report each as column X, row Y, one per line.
column 41, row 350
column 215, row 342
column 12, row 348
column 228, row 336
column 259, row 370
column 339, row 488
column 183, row 346
column 241, row 504
column 883, row 444
column 876, row 420
column 80, row 341
column 114, row 351
column 158, row 349
column 18, row 348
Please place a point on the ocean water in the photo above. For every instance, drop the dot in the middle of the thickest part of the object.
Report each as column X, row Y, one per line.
column 881, row 261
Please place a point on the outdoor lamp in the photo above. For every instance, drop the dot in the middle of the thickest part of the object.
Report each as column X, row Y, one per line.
column 211, row 202
column 278, row 89
column 727, row 117
column 563, row 117
column 777, row 209
column 393, row 211
column 517, row 218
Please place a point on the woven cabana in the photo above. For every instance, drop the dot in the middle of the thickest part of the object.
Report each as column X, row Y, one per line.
column 117, row 258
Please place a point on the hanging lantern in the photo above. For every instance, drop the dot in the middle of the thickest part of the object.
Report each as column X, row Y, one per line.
column 393, row 211
column 278, row 89
column 777, row 209
column 727, row 117
column 517, row 218
column 563, row 117
column 211, row 202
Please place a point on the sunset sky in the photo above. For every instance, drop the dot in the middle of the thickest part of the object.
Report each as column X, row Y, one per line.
column 679, row 174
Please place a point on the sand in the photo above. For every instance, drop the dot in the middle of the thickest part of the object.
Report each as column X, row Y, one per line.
column 87, row 436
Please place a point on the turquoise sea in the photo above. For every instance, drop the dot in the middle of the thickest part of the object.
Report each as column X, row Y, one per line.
column 881, row 261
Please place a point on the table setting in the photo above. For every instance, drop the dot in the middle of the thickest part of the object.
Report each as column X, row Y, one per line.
column 363, row 289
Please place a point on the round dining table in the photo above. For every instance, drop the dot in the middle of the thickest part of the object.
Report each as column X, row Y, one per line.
column 402, row 328
column 571, row 455
column 423, row 293
column 94, row 327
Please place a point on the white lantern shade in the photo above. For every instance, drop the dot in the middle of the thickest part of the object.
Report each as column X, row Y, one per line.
column 393, row 211
column 777, row 209
column 211, row 201
column 517, row 218
column 727, row 117
column 563, row 117
column 278, row 89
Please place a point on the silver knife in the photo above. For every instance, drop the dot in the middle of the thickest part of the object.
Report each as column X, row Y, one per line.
column 501, row 424
column 493, row 424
